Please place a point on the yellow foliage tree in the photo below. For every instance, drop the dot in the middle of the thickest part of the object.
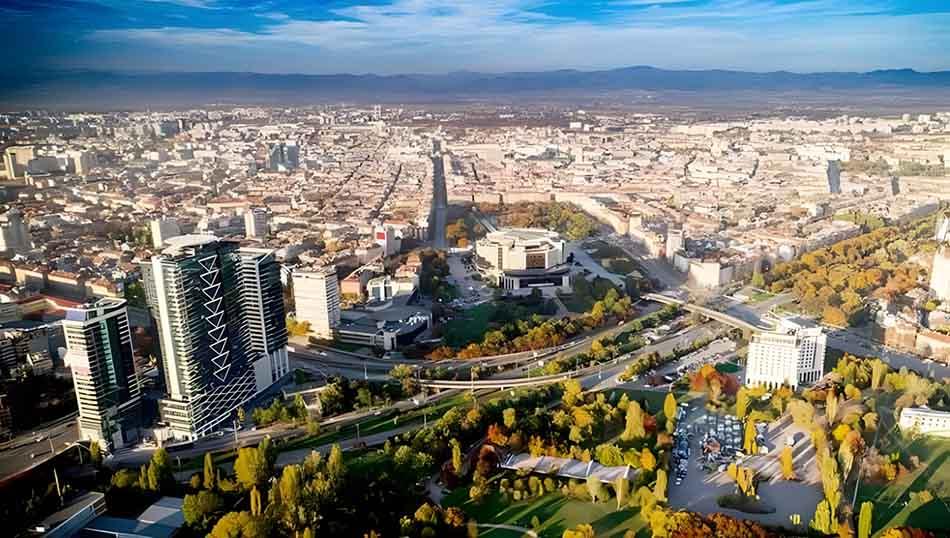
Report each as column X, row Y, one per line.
column 788, row 470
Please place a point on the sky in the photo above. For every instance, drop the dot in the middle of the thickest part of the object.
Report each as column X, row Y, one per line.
column 434, row 36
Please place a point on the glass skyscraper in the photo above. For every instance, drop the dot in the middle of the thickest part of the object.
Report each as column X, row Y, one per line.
column 108, row 388
column 220, row 317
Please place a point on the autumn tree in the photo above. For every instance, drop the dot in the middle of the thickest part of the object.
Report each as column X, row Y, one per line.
column 210, row 473
column 669, row 409
column 240, row 525
column 250, row 468
column 749, row 445
column 659, row 489
column 582, row 530
column 199, row 509
column 647, row 460
column 742, row 402
column 831, row 407
column 634, row 428
column 864, row 519
column 621, row 490
column 788, row 470
column 509, row 417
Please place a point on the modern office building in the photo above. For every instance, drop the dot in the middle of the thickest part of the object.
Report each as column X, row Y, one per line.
column 283, row 157
column 220, row 317
column 675, row 241
column 108, row 387
column 925, row 421
column 255, row 223
column 834, row 177
column 792, row 355
column 940, row 273
column 317, row 300
column 523, row 258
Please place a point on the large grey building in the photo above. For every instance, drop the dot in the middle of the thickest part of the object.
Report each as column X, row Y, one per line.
column 108, row 388
column 220, row 316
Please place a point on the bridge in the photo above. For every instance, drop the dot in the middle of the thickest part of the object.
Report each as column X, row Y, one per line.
column 721, row 317
column 501, row 384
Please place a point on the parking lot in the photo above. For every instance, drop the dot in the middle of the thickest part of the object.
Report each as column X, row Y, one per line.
column 703, row 483
column 472, row 290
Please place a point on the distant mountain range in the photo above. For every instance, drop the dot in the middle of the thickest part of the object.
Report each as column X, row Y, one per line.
column 112, row 88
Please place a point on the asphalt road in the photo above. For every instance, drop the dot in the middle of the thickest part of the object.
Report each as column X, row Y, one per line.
column 17, row 456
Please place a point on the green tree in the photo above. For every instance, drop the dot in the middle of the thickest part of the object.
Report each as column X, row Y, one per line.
column 200, row 508
column 864, row 519
column 210, row 472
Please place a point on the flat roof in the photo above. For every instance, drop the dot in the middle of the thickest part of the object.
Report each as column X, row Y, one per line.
column 175, row 245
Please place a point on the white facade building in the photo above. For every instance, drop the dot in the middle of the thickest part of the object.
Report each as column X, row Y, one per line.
column 792, row 355
column 317, row 296
column 517, row 258
column 255, row 223
column 926, row 421
column 940, row 274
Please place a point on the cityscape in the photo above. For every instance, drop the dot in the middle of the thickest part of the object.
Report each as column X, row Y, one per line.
column 400, row 289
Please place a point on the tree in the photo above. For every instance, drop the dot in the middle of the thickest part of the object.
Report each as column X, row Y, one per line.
column 125, row 479
column 509, row 416
column 572, row 392
column 621, row 490
column 824, row 521
column 864, row 519
column 456, row 457
column 210, row 473
column 335, row 465
column 744, row 477
column 95, row 452
column 403, row 373
column 634, row 423
column 200, row 508
column 669, row 409
column 240, row 525
column 659, row 489
column 595, row 487
column 289, row 489
column 159, row 474
column 878, row 369
column 831, row 407
column 647, row 460
column 582, row 530
column 742, row 403
column 250, row 468
column 749, row 444
column 834, row 316
column 788, row 470
column 256, row 508
column 241, row 416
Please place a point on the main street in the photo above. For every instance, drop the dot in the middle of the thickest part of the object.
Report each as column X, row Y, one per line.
column 31, row 448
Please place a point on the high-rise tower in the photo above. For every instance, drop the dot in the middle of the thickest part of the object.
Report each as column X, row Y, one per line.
column 220, row 316
column 108, row 390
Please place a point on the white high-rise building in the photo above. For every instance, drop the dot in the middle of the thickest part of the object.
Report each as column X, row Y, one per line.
column 317, row 296
column 81, row 162
column 791, row 355
column 940, row 273
column 14, row 233
column 255, row 223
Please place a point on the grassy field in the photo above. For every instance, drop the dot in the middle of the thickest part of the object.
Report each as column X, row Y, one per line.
column 555, row 512
column 934, row 475
column 613, row 258
column 469, row 327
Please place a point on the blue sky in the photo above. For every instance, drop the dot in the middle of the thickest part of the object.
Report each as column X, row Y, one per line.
column 431, row 36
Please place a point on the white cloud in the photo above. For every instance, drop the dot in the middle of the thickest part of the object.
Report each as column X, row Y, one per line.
column 498, row 35
column 199, row 4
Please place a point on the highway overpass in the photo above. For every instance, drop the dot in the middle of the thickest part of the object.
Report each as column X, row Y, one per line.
column 721, row 317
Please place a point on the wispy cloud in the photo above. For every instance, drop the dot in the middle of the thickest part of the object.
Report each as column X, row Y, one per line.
column 495, row 35
column 198, row 4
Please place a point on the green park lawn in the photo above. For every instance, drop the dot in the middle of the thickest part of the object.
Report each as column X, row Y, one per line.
column 469, row 327
column 555, row 512
column 933, row 475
